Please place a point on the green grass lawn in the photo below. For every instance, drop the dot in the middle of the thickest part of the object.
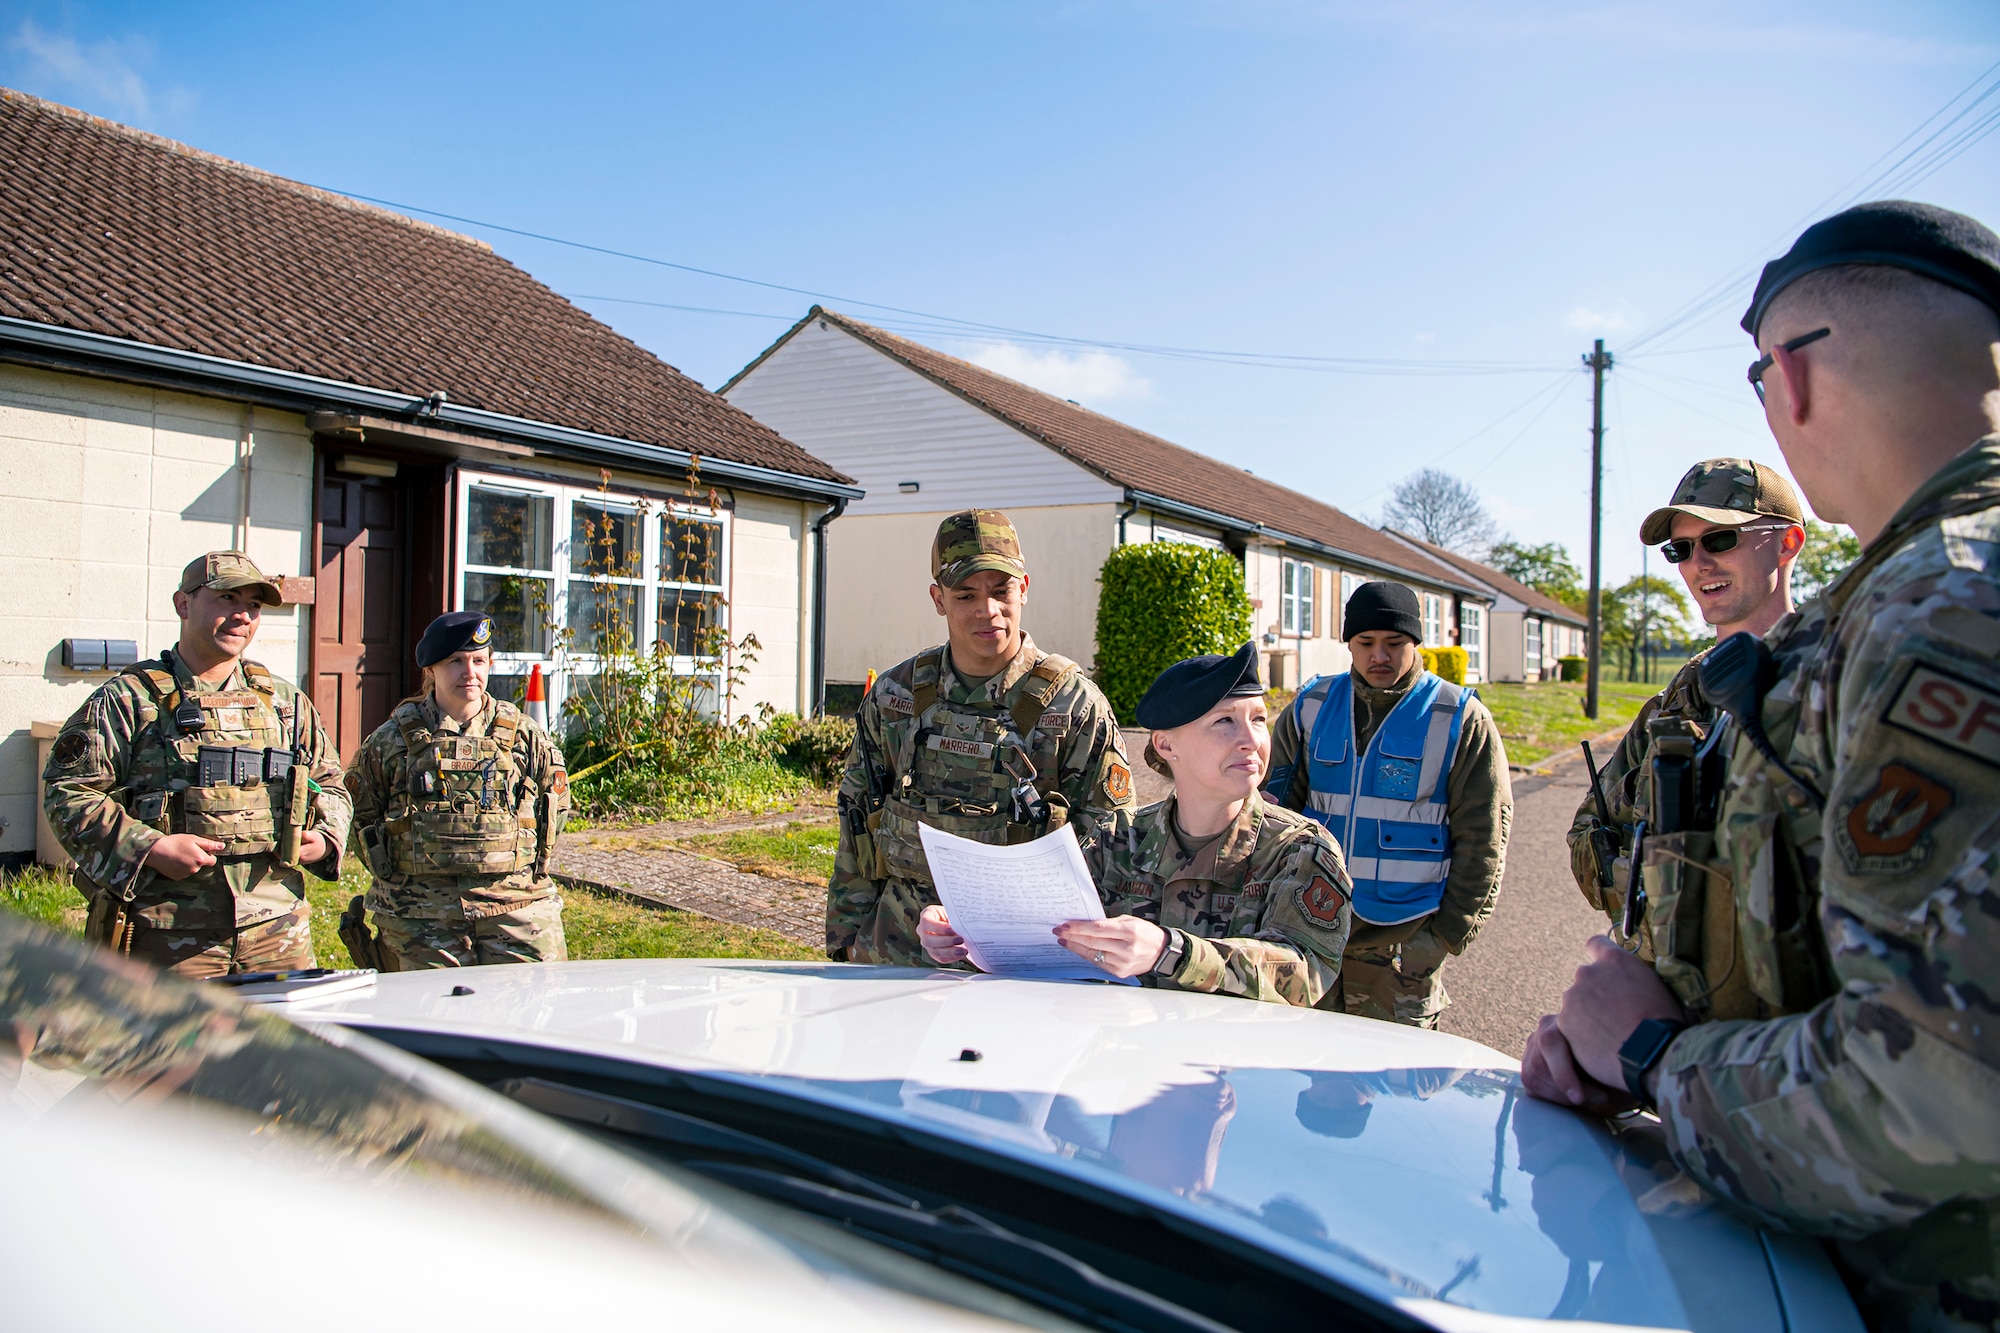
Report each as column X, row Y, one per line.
column 1541, row 720
column 597, row 925
column 802, row 849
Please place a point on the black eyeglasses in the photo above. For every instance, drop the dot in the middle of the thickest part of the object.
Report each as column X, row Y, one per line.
column 1715, row 543
column 1764, row 362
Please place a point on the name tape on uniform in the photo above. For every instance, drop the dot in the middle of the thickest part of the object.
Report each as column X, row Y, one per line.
column 953, row 745
column 1949, row 710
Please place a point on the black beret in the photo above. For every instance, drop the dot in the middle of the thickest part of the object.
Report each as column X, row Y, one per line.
column 1186, row 690
column 1942, row 245
column 1382, row 606
column 454, row 632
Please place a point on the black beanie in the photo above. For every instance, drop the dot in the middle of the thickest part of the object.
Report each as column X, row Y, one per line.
column 1382, row 606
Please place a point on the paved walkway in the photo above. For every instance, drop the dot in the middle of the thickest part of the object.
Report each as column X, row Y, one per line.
column 643, row 862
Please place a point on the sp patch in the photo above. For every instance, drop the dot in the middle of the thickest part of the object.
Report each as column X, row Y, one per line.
column 1886, row 831
column 1321, row 901
column 69, row 749
column 1118, row 782
column 1949, row 710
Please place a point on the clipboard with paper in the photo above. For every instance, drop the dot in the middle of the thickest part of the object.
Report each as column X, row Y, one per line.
column 1005, row 902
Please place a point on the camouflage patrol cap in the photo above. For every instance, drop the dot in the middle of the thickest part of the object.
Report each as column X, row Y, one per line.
column 226, row 571
column 1730, row 491
column 972, row 540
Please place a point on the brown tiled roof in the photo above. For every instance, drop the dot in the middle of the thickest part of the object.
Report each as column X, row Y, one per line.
column 114, row 231
column 1130, row 457
column 1499, row 582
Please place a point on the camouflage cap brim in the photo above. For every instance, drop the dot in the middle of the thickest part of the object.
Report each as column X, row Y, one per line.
column 1659, row 524
column 958, row 571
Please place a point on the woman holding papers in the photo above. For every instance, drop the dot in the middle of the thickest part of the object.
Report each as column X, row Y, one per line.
column 1212, row 889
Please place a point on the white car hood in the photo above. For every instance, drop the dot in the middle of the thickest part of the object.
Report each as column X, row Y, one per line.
column 1404, row 1161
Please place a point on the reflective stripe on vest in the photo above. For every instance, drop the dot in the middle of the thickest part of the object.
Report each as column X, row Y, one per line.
column 1393, row 830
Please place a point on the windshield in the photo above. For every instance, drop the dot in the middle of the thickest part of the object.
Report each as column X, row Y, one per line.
column 96, row 1048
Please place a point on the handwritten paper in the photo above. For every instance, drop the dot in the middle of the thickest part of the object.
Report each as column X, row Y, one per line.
column 1005, row 902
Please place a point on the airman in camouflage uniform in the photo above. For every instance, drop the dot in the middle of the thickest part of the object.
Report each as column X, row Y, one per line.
column 1726, row 494
column 1000, row 759
column 458, row 821
column 163, row 757
column 1854, row 1096
column 1260, row 911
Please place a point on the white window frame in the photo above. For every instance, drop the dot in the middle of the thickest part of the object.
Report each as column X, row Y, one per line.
column 557, row 664
column 1472, row 638
column 1349, row 583
column 1296, row 608
column 1433, row 619
column 1531, row 644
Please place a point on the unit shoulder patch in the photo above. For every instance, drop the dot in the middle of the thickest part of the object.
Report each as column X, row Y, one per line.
column 69, row 749
column 1949, row 710
column 1886, row 831
column 1321, row 900
column 1118, row 782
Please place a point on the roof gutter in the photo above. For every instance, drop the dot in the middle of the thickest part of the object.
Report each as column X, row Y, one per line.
column 818, row 694
column 29, row 342
column 1163, row 505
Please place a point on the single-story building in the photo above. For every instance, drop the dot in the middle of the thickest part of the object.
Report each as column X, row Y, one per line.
column 195, row 354
column 1527, row 632
column 926, row 434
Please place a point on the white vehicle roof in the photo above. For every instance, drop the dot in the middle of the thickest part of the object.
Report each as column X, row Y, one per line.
column 1403, row 1162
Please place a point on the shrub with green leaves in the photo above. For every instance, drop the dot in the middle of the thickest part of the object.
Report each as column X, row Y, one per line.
column 1574, row 668
column 1160, row 602
column 1449, row 662
column 817, row 746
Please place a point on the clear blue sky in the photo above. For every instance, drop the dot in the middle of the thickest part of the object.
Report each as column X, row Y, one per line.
column 1423, row 182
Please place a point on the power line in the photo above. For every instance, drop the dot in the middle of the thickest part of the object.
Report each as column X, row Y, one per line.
column 1724, row 288
column 952, row 326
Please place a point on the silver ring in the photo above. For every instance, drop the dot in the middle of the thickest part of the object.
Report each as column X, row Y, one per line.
column 1099, row 958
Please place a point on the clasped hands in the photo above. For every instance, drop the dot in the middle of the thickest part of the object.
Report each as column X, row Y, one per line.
column 1124, row 946
column 1572, row 1056
column 178, row 855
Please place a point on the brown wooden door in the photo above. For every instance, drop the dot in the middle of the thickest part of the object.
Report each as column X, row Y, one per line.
column 361, row 617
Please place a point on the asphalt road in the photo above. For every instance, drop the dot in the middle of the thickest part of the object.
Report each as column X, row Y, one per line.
column 1516, row 970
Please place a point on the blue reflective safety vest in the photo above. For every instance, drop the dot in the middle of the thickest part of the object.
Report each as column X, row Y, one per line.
column 1386, row 806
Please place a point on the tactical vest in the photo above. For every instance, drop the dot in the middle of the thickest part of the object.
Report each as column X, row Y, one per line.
column 958, row 767
column 462, row 808
column 1386, row 806
column 240, row 729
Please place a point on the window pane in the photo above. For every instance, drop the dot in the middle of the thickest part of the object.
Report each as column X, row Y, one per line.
column 519, row 607
column 684, row 614
column 603, row 617
column 603, row 539
column 690, row 550
column 508, row 529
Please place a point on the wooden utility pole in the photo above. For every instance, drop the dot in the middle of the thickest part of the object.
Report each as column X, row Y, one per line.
column 1599, row 361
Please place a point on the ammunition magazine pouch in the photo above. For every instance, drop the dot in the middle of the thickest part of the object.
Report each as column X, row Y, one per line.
column 1690, row 917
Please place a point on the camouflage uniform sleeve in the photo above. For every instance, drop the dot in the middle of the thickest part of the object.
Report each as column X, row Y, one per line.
column 90, row 760
column 1294, row 958
column 1285, row 783
column 1479, row 812
column 851, row 893
column 367, row 780
column 332, row 810
column 1096, row 778
column 1618, row 775
column 550, row 774
column 1877, row 1105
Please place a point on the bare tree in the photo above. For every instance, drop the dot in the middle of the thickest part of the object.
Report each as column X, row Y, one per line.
column 1441, row 509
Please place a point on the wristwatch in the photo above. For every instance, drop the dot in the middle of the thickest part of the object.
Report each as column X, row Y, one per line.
column 1643, row 1049
column 1170, row 957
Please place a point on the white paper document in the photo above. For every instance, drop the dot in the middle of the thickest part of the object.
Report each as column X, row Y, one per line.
column 1005, row 902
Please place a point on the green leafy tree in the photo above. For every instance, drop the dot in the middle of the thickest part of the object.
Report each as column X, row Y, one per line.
column 1647, row 609
column 1160, row 602
column 1826, row 555
column 1546, row 568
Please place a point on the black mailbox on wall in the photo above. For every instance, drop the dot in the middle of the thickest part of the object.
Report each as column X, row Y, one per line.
column 99, row 654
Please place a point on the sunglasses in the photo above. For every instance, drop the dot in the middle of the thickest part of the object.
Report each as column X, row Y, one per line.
column 1766, row 361
column 1715, row 543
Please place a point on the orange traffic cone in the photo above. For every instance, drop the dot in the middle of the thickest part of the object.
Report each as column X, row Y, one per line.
column 538, row 695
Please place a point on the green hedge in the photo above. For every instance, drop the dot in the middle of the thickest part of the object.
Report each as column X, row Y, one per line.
column 1160, row 602
column 1573, row 668
column 1449, row 662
